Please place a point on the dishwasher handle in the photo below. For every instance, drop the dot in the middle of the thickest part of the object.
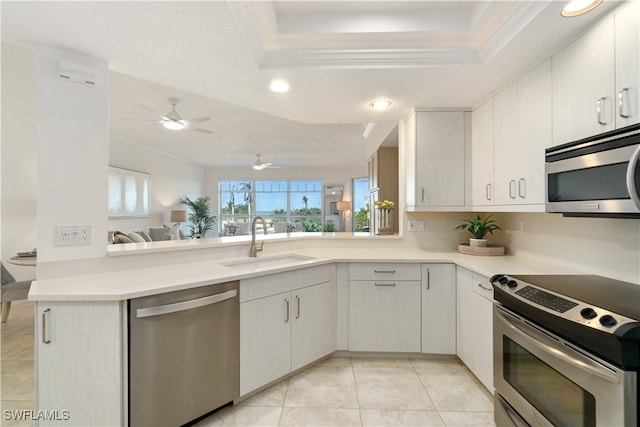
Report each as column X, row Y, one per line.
column 185, row 305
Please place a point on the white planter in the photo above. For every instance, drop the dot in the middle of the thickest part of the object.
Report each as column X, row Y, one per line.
column 478, row 242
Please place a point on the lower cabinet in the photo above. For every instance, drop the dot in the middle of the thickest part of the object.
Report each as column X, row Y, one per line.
column 283, row 332
column 384, row 315
column 439, row 308
column 79, row 363
column 475, row 324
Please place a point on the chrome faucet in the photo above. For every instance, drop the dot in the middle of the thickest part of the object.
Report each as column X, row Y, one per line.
column 253, row 250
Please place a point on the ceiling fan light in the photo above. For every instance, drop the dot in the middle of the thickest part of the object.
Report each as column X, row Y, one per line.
column 579, row 7
column 258, row 167
column 173, row 125
column 279, row 86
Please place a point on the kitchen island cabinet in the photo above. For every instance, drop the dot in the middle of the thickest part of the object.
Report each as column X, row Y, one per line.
column 284, row 331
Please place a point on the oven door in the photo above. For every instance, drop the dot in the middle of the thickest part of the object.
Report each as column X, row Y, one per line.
column 545, row 381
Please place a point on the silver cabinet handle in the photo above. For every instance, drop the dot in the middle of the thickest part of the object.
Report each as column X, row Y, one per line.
column 600, row 110
column 385, row 284
column 512, row 189
column 487, row 191
column 185, row 305
column 286, row 300
column 422, row 197
column 385, row 271
column 45, row 340
column 621, row 103
column 522, row 188
column 428, row 279
column 481, row 286
column 631, row 175
column 298, row 301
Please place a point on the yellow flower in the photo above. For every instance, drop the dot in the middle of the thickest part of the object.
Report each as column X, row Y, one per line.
column 384, row 205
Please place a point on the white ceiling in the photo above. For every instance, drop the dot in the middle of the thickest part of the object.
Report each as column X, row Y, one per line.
column 219, row 57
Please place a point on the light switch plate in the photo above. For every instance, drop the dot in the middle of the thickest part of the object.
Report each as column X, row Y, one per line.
column 416, row 225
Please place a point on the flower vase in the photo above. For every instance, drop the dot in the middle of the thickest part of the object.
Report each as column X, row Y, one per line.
column 384, row 221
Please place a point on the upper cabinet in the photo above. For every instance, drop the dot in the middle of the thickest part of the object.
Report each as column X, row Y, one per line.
column 595, row 79
column 510, row 133
column 436, row 147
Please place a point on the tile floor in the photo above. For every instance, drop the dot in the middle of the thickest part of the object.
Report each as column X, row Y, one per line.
column 16, row 346
column 334, row 392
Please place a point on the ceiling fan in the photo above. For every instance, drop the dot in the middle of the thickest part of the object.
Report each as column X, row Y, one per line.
column 259, row 165
column 173, row 121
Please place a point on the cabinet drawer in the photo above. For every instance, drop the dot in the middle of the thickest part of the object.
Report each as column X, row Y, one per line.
column 272, row 284
column 384, row 271
column 482, row 286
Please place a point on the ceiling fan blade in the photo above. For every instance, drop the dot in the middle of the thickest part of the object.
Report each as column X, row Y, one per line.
column 266, row 165
column 199, row 129
column 155, row 112
column 196, row 120
column 145, row 120
column 273, row 167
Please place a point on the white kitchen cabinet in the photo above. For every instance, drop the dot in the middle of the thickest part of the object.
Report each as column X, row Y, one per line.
column 313, row 324
column 79, row 362
column 505, row 145
column 437, row 159
column 583, row 85
column 627, row 56
column 439, row 308
column 475, row 324
column 283, row 331
column 482, row 154
column 384, row 315
column 265, row 341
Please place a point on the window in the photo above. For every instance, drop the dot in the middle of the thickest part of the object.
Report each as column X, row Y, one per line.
column 297, row 203
column 360, row 204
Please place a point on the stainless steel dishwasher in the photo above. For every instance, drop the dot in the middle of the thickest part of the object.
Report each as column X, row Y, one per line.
column 184, row 354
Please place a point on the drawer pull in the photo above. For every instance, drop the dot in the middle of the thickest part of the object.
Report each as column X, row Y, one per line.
column 385, row 271
column 385, row 284
column 484, row 287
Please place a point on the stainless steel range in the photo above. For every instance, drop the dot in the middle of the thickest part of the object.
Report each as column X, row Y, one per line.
column 566, row 350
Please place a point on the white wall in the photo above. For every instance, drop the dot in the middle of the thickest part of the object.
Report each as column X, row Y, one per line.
column 18, row 154
column 171, row 179
column 329, row 175
column 72, row 140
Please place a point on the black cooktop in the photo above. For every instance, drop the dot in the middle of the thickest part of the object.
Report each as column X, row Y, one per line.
column 613, row 295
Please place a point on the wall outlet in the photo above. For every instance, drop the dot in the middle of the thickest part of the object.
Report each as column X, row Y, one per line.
column 72, row 235
column 416, row 225
column 520, row 226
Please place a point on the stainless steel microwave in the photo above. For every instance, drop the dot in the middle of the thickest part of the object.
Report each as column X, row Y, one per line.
column 596, row 176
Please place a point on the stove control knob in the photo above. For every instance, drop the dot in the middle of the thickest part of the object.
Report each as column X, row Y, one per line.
column 512, row 283
column 496, row 277
column 502, row 280
column 588, row 313
column 608, row 321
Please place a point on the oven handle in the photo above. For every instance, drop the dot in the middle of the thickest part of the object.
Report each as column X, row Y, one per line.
column 588, row 365
column 631, row 182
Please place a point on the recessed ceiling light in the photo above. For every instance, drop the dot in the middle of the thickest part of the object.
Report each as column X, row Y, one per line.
column 380, row 104
column 578, row 7
column 173, row 125
column 279, row 86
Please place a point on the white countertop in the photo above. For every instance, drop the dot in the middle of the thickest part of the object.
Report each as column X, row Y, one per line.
column 122, row 285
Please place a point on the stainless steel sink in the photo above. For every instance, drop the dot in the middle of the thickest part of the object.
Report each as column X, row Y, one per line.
column 267, row 262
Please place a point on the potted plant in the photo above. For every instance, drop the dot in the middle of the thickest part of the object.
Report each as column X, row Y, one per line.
column 200, row 217
column 479, row 227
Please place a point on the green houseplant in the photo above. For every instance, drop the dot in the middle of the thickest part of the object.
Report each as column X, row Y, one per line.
column 479, row 227
column 200, row 216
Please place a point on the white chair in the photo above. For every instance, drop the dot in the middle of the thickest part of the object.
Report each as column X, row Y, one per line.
column 11, row 291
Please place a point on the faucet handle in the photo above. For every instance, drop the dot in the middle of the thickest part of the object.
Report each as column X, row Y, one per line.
column 261, row 245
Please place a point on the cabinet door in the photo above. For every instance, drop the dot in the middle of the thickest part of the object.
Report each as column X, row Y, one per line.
column 440, row 159
column 627, row 42
column 505, row 145
column 265, row 340
column 79, row 369
column 314, row 324
column 464, row 316
column 482, row 329
column 583, row 85
column 534, row 133
column 384, row 316
column 439, row 308
column 482, row 154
